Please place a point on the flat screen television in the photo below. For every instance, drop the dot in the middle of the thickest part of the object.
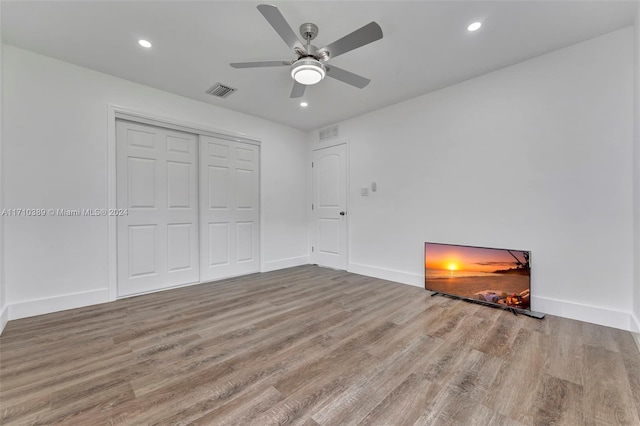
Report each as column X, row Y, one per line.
column 488, row 275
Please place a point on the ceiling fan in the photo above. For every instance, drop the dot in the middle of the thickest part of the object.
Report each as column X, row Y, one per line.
column 309, row 67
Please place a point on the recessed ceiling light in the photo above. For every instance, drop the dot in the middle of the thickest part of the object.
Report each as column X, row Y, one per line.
column 304, row 104
column 144, row 43
column 475, row 26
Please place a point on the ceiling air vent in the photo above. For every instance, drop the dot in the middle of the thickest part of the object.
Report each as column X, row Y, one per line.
column 220, row 90
column 328, row 133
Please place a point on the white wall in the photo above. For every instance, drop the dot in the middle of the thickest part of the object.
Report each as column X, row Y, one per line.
column 55, row 148
column 535, row 156
column 4, row 313
column 636, row 161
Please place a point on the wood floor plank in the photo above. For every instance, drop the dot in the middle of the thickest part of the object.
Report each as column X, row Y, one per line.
column 501, row 335
column 567, row 358
column 510, row 393
column 607, row 398
column 365, row 394
column 405, row 404
column 226, row 349
column 462, row 395
column 483, row 416
column 66, row 373
column 242, row 411
column 599, row 336
column 631, row 359
column 556, row 402
column 314, row 347
column 315, row 391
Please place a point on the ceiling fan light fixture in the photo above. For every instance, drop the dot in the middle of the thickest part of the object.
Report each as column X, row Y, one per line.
column 307, row 71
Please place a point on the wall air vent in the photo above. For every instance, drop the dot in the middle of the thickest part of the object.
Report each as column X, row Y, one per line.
column 328, row 133
column 220, row 90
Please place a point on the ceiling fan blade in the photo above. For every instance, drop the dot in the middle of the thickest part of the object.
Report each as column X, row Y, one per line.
column 298, row 90
column 260, row 64
column 282, row 27
column 365, row 35
column 347, row 77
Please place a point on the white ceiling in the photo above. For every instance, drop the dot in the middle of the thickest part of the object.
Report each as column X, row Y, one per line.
column 425, row 47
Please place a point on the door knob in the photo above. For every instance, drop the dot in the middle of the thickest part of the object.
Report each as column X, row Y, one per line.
column 342, row 213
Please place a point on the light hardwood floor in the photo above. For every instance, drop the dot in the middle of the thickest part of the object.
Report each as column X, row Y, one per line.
column 312, row 346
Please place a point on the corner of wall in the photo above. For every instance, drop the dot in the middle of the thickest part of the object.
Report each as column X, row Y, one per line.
column 635, row 329
column 291, row 262
column 4, row 311
column 636, row 179
column 311, row 137
column 4, row 318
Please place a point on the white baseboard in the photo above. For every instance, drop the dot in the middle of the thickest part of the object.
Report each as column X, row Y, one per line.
column 561, row 308
column 291, row 262
column 4, row 318
column 586, row 313
column 387, row 274
column 31, row 308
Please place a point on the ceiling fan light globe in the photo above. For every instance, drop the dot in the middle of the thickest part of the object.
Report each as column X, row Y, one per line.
column 308, row 76
column 307, row 71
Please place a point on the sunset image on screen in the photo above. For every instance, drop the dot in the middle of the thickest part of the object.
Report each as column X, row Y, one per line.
column 492, row 275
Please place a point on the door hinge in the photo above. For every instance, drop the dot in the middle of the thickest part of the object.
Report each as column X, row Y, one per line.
column 312, row 249
column 311, row 206
column 312, row 164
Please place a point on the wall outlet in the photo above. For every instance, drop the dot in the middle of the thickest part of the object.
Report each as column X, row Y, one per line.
column 374, row 186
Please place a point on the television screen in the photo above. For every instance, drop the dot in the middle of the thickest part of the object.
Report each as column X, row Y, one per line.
column 497, row 276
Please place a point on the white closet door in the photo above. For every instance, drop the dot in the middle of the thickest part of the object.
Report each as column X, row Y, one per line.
column 157, row 183
column 229, row 208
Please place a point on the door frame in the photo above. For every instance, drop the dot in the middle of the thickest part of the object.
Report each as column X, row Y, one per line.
column 316, row 146
column 115, row 112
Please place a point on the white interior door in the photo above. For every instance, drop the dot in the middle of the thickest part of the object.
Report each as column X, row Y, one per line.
column 329, row 221
column 157, row 184
column 229, row 210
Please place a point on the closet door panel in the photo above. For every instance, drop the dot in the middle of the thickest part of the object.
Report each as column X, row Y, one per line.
column 157, row 241
column 229, row 212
